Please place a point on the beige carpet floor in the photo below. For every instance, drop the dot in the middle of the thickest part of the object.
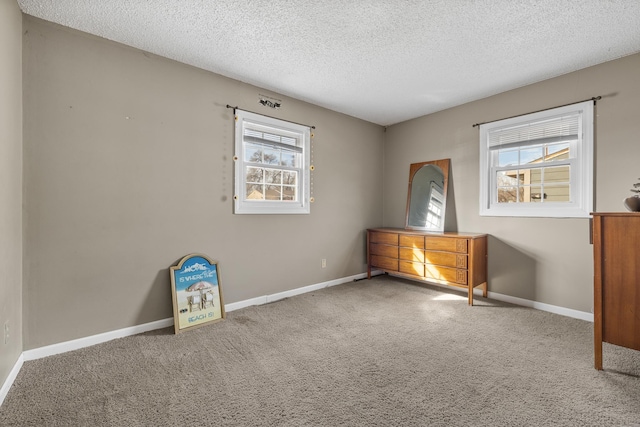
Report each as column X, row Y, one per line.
column 384, row 352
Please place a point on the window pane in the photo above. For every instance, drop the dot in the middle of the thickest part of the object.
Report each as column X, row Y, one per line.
column 557, row 174
column 534, row 194
column 535, row 176
column 557, row 152
column 254, row 175
column 272, row 156
column 531, row 154
column 557, row 193
column 290, row 177
column 274, row 192
column 254, row 192
column 508, row 178
column 273, row 176
column 510, row 195
column 289, row 192
column 253, row 153
column 289, row 158
column 507, row 157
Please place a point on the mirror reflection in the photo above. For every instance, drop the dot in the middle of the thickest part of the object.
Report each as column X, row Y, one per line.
column 427, row 198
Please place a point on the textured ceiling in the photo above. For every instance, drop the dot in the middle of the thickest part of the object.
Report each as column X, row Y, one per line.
column 384, row 61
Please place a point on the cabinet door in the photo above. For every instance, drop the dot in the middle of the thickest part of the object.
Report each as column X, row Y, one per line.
column 620, row 263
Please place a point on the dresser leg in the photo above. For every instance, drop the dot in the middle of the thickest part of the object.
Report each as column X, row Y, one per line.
column 484, row 290
column 470, row 294
column 597, row 346
column 598, row 356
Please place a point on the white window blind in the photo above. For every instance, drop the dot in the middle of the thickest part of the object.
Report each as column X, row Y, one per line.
column 553, row 130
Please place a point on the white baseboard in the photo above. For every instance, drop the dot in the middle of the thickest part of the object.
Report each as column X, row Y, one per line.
column 76, row 344
column 311, row 288
column 568, row 312
column 11, row 378
column 63, row 347
column 293, row 292
column 246, row 303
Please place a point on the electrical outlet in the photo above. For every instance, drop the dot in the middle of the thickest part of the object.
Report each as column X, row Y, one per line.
column 6, row 332
column 324, row 263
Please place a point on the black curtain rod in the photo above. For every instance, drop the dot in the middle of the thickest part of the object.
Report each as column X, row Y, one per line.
column 594, row 99
column 271, row 117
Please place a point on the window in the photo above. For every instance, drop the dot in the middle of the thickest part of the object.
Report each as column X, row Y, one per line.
column 538, row 165
column 271, row 165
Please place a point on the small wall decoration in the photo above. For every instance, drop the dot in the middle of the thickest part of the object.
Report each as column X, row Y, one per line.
column 197, row 295
column 268, row 101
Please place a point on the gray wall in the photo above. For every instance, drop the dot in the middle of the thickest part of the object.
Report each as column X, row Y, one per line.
column 544, row 260
column 10, row 184
column 128, row 167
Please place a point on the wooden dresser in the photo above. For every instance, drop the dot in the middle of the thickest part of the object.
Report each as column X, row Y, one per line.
column 616, row 300
column 454, row 259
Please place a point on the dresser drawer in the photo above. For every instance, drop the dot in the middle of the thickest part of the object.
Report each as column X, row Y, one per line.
column 446, row 244
column 411, row 254
column 410, row 241
column 381, row 237
column 384, row 262
column 413, row 268
column 384, row 250
column 448, row 259
column 446, row 274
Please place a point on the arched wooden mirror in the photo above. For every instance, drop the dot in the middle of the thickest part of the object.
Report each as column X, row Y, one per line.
column 427, row 199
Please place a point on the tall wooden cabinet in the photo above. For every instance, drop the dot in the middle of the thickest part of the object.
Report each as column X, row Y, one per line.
column 616, row 311
column 448, row 258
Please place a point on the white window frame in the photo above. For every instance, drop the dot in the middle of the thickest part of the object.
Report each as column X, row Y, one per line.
column 580, row 160
column 258, row 122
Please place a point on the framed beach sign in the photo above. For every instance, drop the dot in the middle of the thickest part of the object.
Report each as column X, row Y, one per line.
column 197, row 294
